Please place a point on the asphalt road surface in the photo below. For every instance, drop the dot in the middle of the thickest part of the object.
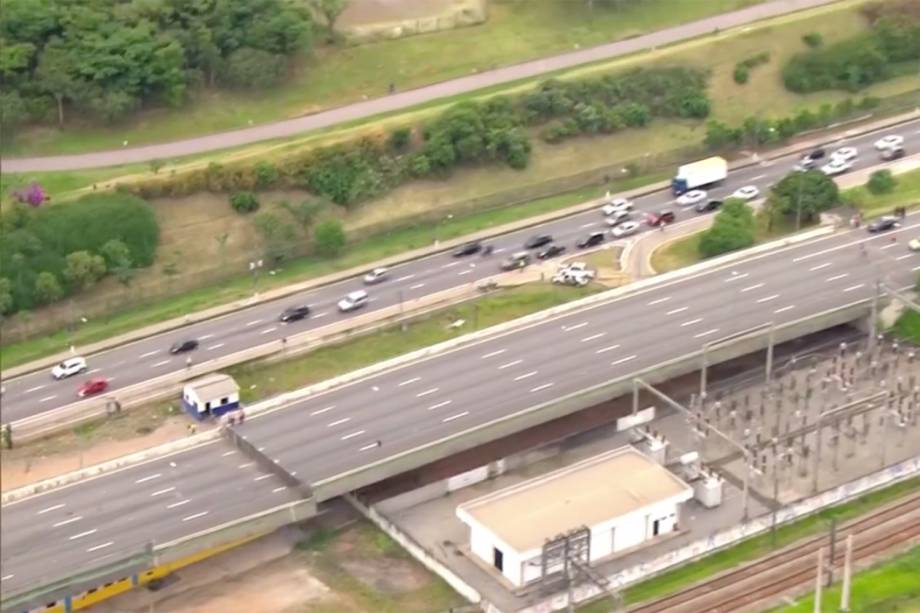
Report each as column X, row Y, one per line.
column 48, row 535
column 139, row 361
column 395, row 102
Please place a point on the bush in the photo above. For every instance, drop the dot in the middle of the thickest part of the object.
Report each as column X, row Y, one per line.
column 244, row 202
column 732, row 229
column 744, row 67
column 813, row 39
column 881, row 182
column 741, row 74
column 266, row 175
column 329, row 238
column 278, row 237
column 399, row 139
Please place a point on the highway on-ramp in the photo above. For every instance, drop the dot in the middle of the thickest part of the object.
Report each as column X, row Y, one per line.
column 86, row 523
column 142, row 360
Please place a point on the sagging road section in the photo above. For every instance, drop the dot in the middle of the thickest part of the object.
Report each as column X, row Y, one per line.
column 383, row 417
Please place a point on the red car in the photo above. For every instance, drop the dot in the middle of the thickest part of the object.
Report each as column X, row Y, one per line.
column 663, row 217
column 93, row 386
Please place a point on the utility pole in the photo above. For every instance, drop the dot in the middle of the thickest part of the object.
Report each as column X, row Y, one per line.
column 830, row 564
column 818, row 582
column 847, row 561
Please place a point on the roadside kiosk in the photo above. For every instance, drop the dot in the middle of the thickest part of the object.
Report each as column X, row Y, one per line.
column 211, row 396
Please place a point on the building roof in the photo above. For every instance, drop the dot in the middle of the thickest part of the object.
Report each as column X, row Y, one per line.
column 525, row 515
column 213, row 387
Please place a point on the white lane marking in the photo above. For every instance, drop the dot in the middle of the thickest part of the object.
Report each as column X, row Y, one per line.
column 67, row 521
column 691, row 322
column 268, row 330
column 837, row 277
column 254, row 322
column 417, row 286
column 195, row 516
column 82, row 534
column 587, row 225
column 768, row 298
column 339, row 422
column 161, row 492
column 366, row 447
column 34, row 389
column 404, row 278
column 158, row 364
column 915, row 268
column 784, row 309
column 593, row 337
column 150, row 353
column 889, row 246
column 408, row 381
column 279, row 489
column 352, row 435
column 427, row 392
column 439, row 405
column 54, row 508
column 450, row 264
column 659, row 301
column 492, row 354
column 751, row 288
column 510, row 364
column 904, row 257
column 737, row 277
column 261, row 477
column 706, row 333
column 226, row 453
column 453, row 417
column 246, row 464
column 205, row 337
column 47, row 398
column 93, row 371
column 819, row 267
column 854, row 287
column 217, row 346
column 676, row 311
column 540, row 388
column 757, row 178
column 98, row 547
column 622, row 360
column 5, row 577
column 525, row 375
column 575, row 327
column 321, row 411
column 465, row 272
column 178, row 504
column 606, row 349
column 149, row 478
column 318, row 315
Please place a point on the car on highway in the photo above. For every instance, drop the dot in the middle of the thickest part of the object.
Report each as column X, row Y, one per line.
column 627, row 228
column 188, row 344
column 845, row 153
column 659, row 218
column 294, row 313
column 470, row 248
column 69, row 368
column 617, row 217
column 810, row 159
column 376, row 276
column 353, row 301
column 692, row 197
column 551, row 252
column 537, row 241
column 515, row 261
column 592, row 240
column 881, row 224
column 709, row 205
column 614, row 206
column 92, row 387
column 914, row 245
column 889, row 142
column 837, row 166
column 892, row 153
column 748, row 192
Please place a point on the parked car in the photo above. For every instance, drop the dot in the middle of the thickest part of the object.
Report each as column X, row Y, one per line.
column 845, row 153
column 618, row 217
column 889, row 142
column 892, row 153
column 627, row 228
column 883, row 223
column 376, row 276
column 69, row 368
column 294, row 313
column 692, row 197
column 515, row 261
column 620, row 204
column 661, row 217
column 551, row 252
column 537, row 241
column 837, row 166
column 748, row 192
column 592, row 240
column 709, row 205
column 468, row 249
column 93, row 386
column 188, row 344
column 354, row 300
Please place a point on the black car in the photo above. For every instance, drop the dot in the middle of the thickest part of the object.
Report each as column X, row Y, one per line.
column 710, row 205
column 468, row 249
column 595, row 238
column 892, row 154
column 294, row 313
column 537, row 241
column 183, row 346
column 817, row 154
column 882, row 223
column 551, row 252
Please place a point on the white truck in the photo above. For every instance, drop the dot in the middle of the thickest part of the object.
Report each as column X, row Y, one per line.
column 699, row 174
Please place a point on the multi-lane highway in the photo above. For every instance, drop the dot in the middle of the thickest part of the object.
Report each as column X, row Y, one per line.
column 139, row 361
column 348, row 427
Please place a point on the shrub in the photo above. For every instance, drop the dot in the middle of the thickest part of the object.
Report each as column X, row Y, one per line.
column 329, row 237
column 741, row 74
column 266, row 175
column 116, row 254
column 881, row 182
column 244, row 202
column 82, row 269
column 813, row 39
column 47, row 288
column 732, row 229
column 399, row 139
column 278, row 237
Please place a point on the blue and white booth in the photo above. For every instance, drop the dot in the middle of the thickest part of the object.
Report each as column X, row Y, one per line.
column 209, row 396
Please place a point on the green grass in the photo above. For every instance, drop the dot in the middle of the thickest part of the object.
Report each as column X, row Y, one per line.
column 259, row 381
column 890, row 587
column 757, row 547
column 906, row 193
column 908, row 326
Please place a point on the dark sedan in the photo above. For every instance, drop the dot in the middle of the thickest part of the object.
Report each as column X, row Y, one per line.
column 183, row 346
column 551, row 252
column 294, row 313
column 883, row 223
column 468, row 249
column 592, row 240
column 537, row 241
column 709, row 205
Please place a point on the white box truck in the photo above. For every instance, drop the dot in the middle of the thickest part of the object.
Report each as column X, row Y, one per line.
column 699, row 174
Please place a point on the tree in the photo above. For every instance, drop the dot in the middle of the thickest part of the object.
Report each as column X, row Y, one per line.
column 116, row 253
column 329, row 237
column 305, row 212
column 244, row 202
column 6, row 296
column 331, row 10
column 47, row 288
column 881, row 182
column 278, row 237
column 82, row 269
column 732, row 229
column 57, row 74
column 804, row 194
column 254, row 68
column 720, row 134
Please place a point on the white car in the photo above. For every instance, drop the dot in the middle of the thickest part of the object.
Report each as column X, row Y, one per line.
column 892, row 141
column 692, row 197
column 836, row 166
column 616, row 206
column 354, row 300
column 748, row 192
column 844, row 153
column 617, row 217
column 376, row 276
column 68, row 368
column 914, row 245
column 626, row 228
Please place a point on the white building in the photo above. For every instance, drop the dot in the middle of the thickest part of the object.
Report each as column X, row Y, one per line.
column 209, row 396
column 622, row 496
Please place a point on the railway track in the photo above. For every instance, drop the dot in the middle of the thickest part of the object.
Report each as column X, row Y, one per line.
column 794, row 566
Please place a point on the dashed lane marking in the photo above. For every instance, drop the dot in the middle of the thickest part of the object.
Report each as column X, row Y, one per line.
column 417, row 286
column 34, row 389
column 246, row 465
column 785, row 308
column 575, row 327
column 195, row 516
column 492, row 354
column 623, row 360
column 540, row 388
column 150, row 353
column 98, row 547
column 691, row 322
column 352, row 435
column 178, row 504
column 49, row 509
column 47, row 398
column 768, row 298
column 217, row 346
column 404, row 278
column 163, row 491
column 738, row 277
column 751, row 288
column 819, row 267
column 321, row 411
column 659, row 301
column 82, row 534
column 837, row 277
column 268, row 330
column 510, row 364
column 525, row 375
column 588, row 339
column 439, row 405
column 158, row 364
column 409, row 381
column 254, row 322
column 261, row 477
column 457, row 416
column 676, row 311
column 67, row 521
column 606, row 349
column 854, row 287
column 427, row 392
column 706, row 333
column 338, row 422
column 149, row 478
